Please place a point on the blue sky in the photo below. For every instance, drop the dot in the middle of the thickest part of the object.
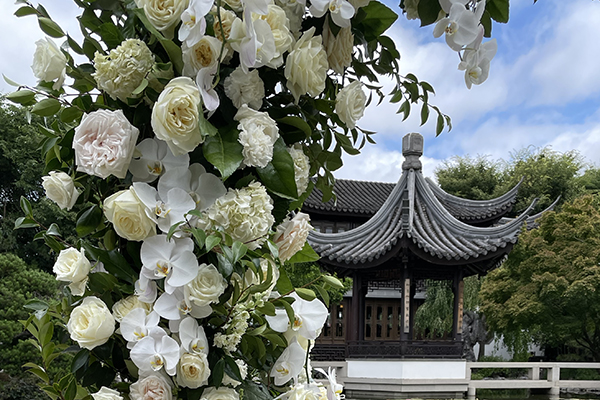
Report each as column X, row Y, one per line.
column 543, row 90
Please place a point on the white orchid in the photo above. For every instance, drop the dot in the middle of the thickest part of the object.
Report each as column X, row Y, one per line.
column 334, row 389
column 172, row 259
column 136, row 325
column 256, row 6
column 340, row 11
column 175, row 306
column 204, row 187
column 155, row 352
column 253, row 39
column 476, row 61
column 461, row 26
column 309, row 318
column 152, row 158
column 193, row 23
column 204, row 80
column 166, row 209
column 192, row 336
column 146, row 290
column 447, row 4
column 289, row 364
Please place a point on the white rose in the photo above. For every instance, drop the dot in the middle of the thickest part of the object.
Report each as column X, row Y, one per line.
column 338, row 48
column 258, row 134
column 206, row 288
column 204, row 54
column 350, row 104
column 306, row 66
column 175, row 116
column 291, row 235
column 193, row 370
column 49, row 63
column 60, row 189
column 280, row 28
column 107, row 394
column 236, row 5
column 164, row 15
column 301, row 168
column 128, row 216
column 104, row 143
column 245, row 88
column 91, row 323
column 221, row 393
column 152, row 387
column 294, row 10
column 124, row 306
column 72, row 266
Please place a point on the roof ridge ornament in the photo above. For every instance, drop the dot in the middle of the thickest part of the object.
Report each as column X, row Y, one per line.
column 412, row 150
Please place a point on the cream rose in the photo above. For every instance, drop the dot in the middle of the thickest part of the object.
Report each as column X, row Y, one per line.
column 204, row 54
column 306, row 66
column 206, row 288
column 128, row 215
column 245, row 88
column 221, row 393
column 280, row 28
column 193, row 370
column 104, row 143
column 338, row 48
column 49, row 63
column 175, row 116
column 350, row 104
column 124, row 306
column 60, row 189
column 301, row 168
column 258, row 134
column 107, row 394
column 91, row 323
column 164, row 15
column 291, row 235
column 72, row 266
column 152, row 387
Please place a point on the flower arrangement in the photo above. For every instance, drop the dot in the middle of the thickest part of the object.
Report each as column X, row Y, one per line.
column 186, row 143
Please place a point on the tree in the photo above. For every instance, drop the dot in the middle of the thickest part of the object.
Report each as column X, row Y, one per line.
column 550, row 284
column 472, row 178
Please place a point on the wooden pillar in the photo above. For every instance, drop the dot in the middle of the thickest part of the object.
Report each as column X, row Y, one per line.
column 457, row 318
column 354, row 328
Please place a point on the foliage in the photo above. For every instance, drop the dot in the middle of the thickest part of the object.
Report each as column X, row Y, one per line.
column 471, row 178
column 550, row 284
column 434, row 317
column 302, row 274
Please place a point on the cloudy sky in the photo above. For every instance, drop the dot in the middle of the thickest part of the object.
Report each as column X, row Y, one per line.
column 543, row 90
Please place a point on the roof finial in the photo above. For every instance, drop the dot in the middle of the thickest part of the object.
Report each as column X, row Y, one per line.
column 412, row 149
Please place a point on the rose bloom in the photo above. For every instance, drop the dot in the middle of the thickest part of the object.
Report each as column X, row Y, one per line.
column 72, row 266
column 60, row 189
column 49, row 63
column 206, row 288
column 306, row 66
column 227, row 18
column 152, row 387
column 203, row 54
column 291, row 235
column 280, row 28
column 338, row 48
column 91, row 323
column 244, row 88
column 104, row 143
column 301, row 168
column 350, row 104
column 193, row 370
column 294, row 10
column 124, row 306
column 258, row 134
column 128, row 215
column 221, row 393
column 121, row 71
column 107, row 394
column 175, row 116
column 164, row 15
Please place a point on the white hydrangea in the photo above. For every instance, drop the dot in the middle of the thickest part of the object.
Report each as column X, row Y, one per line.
column 258, row 134
column 121, row 71
column 244, row 214
column 301, row 168
column 244, row 88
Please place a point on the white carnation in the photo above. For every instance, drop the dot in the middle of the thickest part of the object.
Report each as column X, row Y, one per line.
column 258, row 134
column 301, row 168
column 123, row 69
column 244, row 88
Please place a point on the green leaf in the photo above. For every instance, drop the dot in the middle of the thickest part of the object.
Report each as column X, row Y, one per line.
column 378, row 19
column 22, row 222
column 74, row 45
column 23, row 96
column 307, row 254
column 46, row 333
column 258, row 331
column 239, row 250
column 275, row 338
column 424, row 113
column 284, row 285
column 173, row 228
column 439, row 125
column 267, row 309
column 498, row 9
column 486, row 21
column 46, row 107
column 323, row 293
column 23, row 11
column 53, row 230
column 224, row 152
column 70, row 114
column 10, row 81
column 278, row 175
column 332, row 281
column 50, row 27
column 206, row 128
column 53, row 243
column 110, row 34
column 26, row 207
column 81, row 359
column 211, row 241
column 89, row 221
column 429, row 10
column 306, row 294
column 38, row 371
column 36, row 305
column 297, row 122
